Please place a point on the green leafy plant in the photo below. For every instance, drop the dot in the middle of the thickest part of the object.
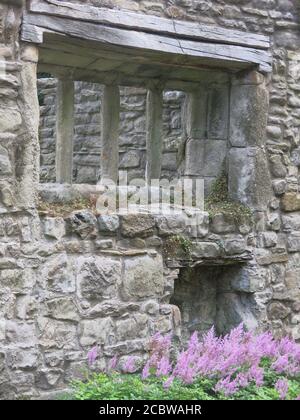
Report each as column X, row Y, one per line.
column 178, row 246
column 218, row 201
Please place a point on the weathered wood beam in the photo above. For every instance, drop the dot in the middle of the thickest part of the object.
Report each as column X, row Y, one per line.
column 148, row 23
column 211, row 53
column 64, row 131
column 154, row 129
column 110, row 120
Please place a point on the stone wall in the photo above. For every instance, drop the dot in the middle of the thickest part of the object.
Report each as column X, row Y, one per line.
column 52, row 310
column 87, row 132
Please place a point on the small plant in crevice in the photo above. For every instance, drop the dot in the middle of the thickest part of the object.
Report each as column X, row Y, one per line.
column 177, row 246
column 218, row 201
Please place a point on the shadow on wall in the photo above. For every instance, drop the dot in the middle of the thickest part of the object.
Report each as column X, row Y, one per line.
column 210, row 296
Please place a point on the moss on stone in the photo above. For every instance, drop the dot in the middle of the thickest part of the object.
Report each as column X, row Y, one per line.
column 64, row 209
column 218, row 201
column 177, row 246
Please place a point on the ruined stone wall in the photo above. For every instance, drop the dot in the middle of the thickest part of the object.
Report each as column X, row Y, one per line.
column 52, row 309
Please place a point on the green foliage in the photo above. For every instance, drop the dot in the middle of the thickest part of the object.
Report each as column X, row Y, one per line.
column 218, row 201
column 177, row 244
column 132, row 387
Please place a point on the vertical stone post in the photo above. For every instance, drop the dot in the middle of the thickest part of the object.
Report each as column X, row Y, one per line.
column 110, row 121
column 154, row 133
column 248, row 173
column 195, row 120
column 64, row 131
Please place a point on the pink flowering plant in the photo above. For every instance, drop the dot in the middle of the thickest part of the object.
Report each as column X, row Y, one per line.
column 239, row 365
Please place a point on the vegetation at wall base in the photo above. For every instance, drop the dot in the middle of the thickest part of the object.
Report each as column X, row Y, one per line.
column 118, row 386
column 242, row 365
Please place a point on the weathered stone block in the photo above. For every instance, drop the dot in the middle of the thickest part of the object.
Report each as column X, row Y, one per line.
column 143, row 277
column 290, row 201
column 277, row 310
column 248, row 177
column 57, row 334
column 235, row 245
column 171, row 225
column 98, row 277
column 58, row 273
column 21, row 334
column 5, row 164
column 104, row 244
column 97, row 331
column 63, row 308
column 83, row 223
column 205, row 250
column 137, row 225
column 132, row 328
column 268, row 239
column 293, row 242
column 205, row 157
column 248, row 119
column 198, row 225
column 278, row 169
column 291, row 222
column 54, row 228
column 108, row 224
column 10, row 120
column 221, row 224
column 279, row 186
column 22, row 359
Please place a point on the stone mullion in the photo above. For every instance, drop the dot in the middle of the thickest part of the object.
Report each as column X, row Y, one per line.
column 110, row 121
column 64, row 131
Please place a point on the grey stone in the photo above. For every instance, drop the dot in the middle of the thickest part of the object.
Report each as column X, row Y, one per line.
column 221, row 224
column 205, row 157
column 5, row 164
column 22, row 359
column 98, row 277
column 22, row 334
column 235, row 245
column 104, row 244
column 56, row 334
column 278, row 168
column 278, row 310
column 131, row 159
column 268, row 239
column 143, row 277
column 248, row 178
column 108, row 223
column 171, row 225
column 295, row 156
column 54, row 227
column 142, row 225
column 291, row 222
column 293, row 242
column 83, row 223
column 249, row 111
column 63, row 308
column 97, row 331
column 132, row 328
column 205, row 250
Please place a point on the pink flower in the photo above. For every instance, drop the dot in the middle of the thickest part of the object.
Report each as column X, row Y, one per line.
column 282, row 387
column 113, row 363
column 168, row 382
column 129, row 365
column 92, row 355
